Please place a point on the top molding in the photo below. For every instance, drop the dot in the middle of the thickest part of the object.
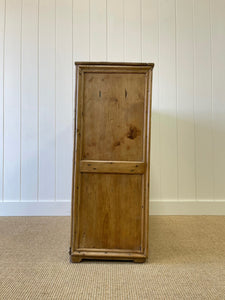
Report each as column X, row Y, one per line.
column 114, row 63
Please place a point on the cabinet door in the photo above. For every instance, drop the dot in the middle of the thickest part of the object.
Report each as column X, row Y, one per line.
column 111, row 162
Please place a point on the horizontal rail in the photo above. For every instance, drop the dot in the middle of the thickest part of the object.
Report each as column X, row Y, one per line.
column 125, row 167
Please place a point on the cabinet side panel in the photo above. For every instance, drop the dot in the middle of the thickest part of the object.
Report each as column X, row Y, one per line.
column 110, row 206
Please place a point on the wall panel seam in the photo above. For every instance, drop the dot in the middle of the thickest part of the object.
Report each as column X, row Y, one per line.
column 38, row 95
column 176, row 80
column 124, row 32
column 55, row 112
column 21, row 65
column 106, row 30
column 212, row 101
column 141, row 32
column 89, row 37
column 160, row 172
column 3, row 104
column 72, row 58
column 194, row 96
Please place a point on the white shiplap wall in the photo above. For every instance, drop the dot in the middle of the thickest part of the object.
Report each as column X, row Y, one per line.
column 40, row 40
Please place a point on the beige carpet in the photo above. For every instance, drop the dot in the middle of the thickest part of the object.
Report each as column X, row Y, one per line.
column 187, row 261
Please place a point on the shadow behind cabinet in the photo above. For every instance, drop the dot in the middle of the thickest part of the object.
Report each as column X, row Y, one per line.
column 110, row 190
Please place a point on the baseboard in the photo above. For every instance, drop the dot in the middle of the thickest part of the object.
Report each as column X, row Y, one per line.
column 54, row 208
column 63, row 208
column 187, row 208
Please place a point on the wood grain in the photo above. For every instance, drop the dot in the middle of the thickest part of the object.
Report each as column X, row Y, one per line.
column 112, row 205
column 124, row 167
column 113, row 112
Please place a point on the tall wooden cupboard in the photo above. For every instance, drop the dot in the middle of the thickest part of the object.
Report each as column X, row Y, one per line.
column 110, row 186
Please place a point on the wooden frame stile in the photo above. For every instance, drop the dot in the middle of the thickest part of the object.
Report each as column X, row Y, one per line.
column 82, row 165
column 147, row 157
column 77, row 179
column 74, row 167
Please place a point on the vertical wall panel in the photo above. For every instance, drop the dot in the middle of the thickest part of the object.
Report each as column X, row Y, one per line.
column 98, row 45
column 81, row 39
column 81, row 26
column 218, row 85
column 63, row 99
column 167, row 100
column 47, row 106
column 132, row 22
column 150, row 44
column 2, row 36
column 39, row 42
column 12, row 101
column 29, row 101
column 185, row 100
column 115, row 29
column 203, row 101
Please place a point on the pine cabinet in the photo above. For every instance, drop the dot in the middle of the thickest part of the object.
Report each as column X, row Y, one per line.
column 111, row 161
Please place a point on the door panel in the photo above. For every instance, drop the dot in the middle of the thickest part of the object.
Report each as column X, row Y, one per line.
column 112, row 205
column 113, row 110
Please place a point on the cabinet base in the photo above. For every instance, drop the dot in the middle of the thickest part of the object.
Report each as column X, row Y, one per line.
column 79, row 258
column 139, row 260
column 75, row 259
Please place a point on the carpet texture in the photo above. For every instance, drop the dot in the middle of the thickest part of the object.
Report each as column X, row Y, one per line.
column 187, row 261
